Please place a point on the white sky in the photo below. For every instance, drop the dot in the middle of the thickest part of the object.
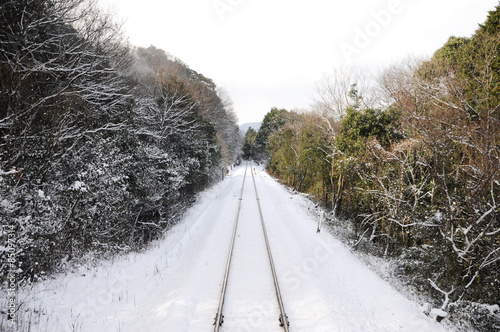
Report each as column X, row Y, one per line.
column 271, row 53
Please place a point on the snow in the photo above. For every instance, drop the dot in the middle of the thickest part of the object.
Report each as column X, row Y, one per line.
column 78, row 185
column 6, row 204
column 437, row 313
column 11, row 172
column 493, row 309
column 175, row 286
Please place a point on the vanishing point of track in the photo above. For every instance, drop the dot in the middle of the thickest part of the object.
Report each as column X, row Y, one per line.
column 219, row 318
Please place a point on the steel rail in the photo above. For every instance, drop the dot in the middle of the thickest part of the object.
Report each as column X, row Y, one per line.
column 283, row 319
column 219, row 318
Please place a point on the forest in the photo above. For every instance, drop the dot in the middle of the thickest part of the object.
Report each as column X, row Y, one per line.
column 411, row 158
column 103, row 145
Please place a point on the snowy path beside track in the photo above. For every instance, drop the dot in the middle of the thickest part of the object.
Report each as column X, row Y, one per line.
column 175, row 286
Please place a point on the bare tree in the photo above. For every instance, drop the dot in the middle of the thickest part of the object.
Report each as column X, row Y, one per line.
column 344, row 87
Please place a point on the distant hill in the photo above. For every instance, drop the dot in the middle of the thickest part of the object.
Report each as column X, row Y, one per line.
column 244, row 127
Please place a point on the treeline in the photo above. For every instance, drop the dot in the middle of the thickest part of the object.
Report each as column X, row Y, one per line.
column 102, row 145
column 414, row 161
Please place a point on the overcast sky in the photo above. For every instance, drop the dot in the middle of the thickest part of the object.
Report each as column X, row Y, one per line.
column 271, row 53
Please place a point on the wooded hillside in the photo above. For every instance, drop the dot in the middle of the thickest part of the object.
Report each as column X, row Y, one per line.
column 102, row 145
column 413, row 160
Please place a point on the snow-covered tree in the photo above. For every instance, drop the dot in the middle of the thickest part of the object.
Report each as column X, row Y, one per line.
column 98, row 153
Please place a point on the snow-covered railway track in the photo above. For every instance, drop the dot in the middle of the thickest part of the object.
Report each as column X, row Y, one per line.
column 176, row 285
column 219, row 318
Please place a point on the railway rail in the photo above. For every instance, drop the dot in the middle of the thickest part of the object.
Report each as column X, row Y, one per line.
column 219, row 318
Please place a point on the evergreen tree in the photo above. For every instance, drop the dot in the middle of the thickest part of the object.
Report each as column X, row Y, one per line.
column 272, row 122
column 250, row 144
column 492, row 24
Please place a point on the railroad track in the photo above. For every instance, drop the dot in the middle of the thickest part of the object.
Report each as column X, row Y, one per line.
column 219, row 318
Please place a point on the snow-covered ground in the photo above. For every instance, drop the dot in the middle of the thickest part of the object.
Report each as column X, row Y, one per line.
column 175, row 286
